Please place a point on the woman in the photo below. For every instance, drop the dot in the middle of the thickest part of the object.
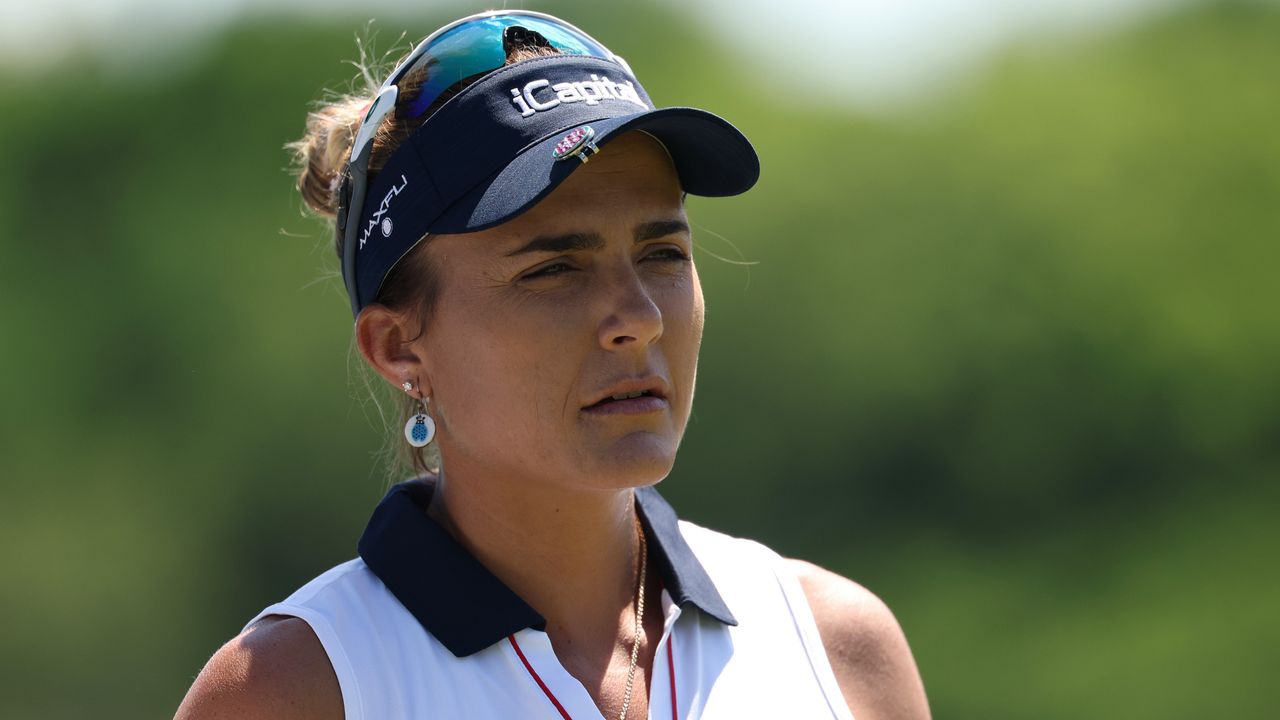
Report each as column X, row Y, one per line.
column 510, row 215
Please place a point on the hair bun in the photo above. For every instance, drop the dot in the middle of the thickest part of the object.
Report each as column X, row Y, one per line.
column 323, row 150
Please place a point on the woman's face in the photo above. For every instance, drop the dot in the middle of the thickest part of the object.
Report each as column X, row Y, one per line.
column 540, row 321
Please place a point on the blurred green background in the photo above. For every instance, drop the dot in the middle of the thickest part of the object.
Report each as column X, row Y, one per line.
column 1007, row 357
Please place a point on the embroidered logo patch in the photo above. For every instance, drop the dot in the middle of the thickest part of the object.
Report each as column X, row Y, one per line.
column 380, row 219
column 540, row 95
column 577, row 143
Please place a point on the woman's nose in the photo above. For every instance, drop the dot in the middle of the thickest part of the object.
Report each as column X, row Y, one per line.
column 632, row 316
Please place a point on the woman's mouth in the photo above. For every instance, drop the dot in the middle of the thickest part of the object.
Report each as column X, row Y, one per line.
column 635, row 402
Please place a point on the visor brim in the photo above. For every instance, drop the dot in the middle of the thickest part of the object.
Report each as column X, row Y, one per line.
column 712, row 158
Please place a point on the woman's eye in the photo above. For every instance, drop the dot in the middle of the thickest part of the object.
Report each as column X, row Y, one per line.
column 670, row 254
column 549, row 270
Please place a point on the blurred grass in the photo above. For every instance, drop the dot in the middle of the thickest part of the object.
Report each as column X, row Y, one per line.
column 1007, row 359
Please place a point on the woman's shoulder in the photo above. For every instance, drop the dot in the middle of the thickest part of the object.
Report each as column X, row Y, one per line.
column 276, row 668
column 862, row 639
column 281, row 665
column 350, row 577
column 713, row 545
column 868, row 651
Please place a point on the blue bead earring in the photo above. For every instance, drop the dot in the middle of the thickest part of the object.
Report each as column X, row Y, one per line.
column 420, row 429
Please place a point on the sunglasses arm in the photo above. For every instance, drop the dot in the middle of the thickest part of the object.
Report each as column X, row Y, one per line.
column 356, row 184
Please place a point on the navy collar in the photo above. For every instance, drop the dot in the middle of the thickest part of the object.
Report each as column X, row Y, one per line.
column 464, row 605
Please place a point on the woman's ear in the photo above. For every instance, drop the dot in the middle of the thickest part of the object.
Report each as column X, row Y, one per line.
column 384, row 337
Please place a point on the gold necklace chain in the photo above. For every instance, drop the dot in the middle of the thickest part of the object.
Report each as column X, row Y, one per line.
column 635, row 644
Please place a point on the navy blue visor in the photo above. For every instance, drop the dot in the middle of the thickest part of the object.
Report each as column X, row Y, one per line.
column 507, row 140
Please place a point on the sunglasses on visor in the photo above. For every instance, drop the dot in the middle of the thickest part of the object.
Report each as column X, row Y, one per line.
column 474, row 45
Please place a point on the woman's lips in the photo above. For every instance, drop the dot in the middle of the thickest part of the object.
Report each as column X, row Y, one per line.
column 630, row 406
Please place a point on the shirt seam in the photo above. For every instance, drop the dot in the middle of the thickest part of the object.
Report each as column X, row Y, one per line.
column 807, row 628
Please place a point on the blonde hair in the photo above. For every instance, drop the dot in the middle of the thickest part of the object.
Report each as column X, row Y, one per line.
column 320, row 157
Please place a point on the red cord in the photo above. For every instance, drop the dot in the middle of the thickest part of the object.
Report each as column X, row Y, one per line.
column 671, row 673
column 546, row 690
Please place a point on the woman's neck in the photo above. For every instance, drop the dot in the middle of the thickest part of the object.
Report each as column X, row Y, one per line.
column 572, row 555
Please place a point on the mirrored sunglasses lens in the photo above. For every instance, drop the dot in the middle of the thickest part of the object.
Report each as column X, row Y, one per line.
column 475, row 48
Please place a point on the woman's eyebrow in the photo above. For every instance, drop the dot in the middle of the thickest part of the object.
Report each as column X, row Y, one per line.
column 569, row 242
column 661, row 228
column 573, row 242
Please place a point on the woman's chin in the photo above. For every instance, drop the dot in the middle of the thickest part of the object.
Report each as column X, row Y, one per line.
column 635, row 460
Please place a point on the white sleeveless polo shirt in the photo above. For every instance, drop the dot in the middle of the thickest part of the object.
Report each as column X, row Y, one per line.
column 417, row 628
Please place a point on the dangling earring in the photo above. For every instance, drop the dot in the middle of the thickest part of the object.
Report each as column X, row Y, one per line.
column 421, row 429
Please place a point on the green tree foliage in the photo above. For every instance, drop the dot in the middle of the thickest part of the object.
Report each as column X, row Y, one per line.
column 1007, row 359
